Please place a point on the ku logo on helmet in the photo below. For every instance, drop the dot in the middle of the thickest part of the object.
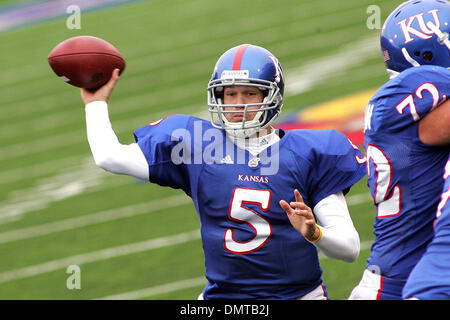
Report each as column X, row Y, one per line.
column 424, row 33
column 416, row 34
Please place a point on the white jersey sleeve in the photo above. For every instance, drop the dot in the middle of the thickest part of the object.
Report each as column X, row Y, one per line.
column 339, row 240
column 109, row 154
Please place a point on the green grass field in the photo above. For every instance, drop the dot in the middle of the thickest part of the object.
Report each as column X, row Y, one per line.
column 57, row 209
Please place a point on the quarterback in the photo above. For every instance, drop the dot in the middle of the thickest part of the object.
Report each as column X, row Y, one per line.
column 260, row 193
column 407, row 136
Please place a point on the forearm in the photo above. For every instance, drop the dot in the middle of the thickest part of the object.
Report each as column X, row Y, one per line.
column 339, row 239
column 107, row 151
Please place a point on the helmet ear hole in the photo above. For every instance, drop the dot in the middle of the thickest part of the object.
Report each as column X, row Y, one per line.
column 427, row 56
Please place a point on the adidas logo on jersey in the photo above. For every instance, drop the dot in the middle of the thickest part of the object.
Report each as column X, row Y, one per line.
column 227, row 160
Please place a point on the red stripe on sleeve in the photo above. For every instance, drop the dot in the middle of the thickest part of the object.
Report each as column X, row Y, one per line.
column 238, row 57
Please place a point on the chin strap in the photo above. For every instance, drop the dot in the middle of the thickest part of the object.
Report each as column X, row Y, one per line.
column 242, row 133
column 392, row 74
column 409, row 59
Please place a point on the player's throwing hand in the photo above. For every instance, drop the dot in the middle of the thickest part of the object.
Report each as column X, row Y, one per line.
column 103, row 93
column 301, row 217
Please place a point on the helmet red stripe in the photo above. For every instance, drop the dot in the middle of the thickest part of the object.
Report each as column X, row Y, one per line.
column 238, row 57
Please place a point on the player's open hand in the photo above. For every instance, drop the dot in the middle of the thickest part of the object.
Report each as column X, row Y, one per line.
column 301, row 217
column 103, row 93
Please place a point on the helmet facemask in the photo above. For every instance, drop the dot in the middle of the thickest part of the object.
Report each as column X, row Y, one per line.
column 251, row 66
column 268, row 110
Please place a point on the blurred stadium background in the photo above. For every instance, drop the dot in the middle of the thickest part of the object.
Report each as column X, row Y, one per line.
column 133, row 240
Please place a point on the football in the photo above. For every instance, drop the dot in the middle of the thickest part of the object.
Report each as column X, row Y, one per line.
column 85, row 61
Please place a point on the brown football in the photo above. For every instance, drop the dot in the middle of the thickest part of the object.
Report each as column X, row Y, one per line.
column 85, row 61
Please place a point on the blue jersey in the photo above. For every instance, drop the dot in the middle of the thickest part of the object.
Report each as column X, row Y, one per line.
column 251, row 249
column 404, row 175
column 430, row 279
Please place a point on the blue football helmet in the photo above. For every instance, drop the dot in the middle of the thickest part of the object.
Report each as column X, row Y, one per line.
column 246, row 65
column 416, row 33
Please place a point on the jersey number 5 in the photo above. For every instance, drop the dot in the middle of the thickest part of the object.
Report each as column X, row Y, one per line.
column 386, row 206
column 239, row 213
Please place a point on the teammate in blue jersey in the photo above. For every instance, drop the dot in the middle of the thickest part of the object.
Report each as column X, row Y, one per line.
column 407, row 136
column 430, row 279
column 258, row 191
